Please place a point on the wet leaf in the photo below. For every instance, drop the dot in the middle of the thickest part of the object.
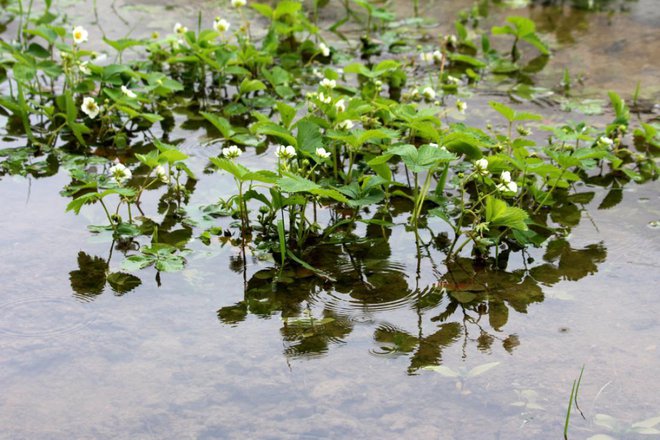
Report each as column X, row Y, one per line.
column 648, row 423
column 498, row 213
column 606, row 421
column 481, row 369
column 441, row 369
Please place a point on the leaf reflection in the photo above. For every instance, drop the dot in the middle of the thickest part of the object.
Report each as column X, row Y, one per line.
column 469, row 305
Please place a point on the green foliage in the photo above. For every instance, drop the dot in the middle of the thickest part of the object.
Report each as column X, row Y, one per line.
column 348, row 148
column 522, row 29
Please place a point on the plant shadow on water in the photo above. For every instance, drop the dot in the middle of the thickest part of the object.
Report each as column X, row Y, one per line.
column 468, row 304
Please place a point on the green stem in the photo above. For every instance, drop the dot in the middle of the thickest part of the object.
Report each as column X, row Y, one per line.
column 422, row 196
column 550, row 192
column 107, row 214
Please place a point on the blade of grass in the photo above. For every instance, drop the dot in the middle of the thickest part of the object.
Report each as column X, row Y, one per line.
column 568, row 412
column 577, row 390
column 573, row 399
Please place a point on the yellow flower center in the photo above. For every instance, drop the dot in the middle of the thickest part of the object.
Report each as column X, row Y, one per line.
column 77, row 35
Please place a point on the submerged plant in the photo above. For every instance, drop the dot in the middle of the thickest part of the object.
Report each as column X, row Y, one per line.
column 462, row 374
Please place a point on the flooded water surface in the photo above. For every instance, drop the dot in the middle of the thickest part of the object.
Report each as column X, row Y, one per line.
column 393, row 343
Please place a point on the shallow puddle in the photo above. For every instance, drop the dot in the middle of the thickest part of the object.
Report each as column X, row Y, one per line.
column 215, row 352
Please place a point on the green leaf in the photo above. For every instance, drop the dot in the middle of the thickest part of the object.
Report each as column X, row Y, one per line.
column 466, row 59
column 43, row 31
column 76, row 204
column 286, row 7
column 309, row 136
column 620, row 109
column 150, row 159
column 251, row 85
column 504, row 110
column 535, row 41
column 511, row 115
column 137, row 262
column 498, row 213
column 271, row 129
column 223, row 125
column 287, row 113
column 123, row 43
column 293, row 183
column 173, row 263
column 264, row 10
column 265, row 176
column 234, row 168
column 422, row 159
column 169, row 152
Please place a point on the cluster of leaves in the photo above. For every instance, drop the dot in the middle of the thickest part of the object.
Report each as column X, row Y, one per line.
column 60, row 93
column 491, row 187
column 364, row 139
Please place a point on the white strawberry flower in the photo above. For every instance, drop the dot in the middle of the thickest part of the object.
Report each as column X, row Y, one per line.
column 84, row 69
column 329, row 83
column 162, row 174
column 238, row 3
column 286, row 153
column 481, row 167
column 437, row 56
column 221, row 25
column 340, row 106
column 426, row 57
column 79, row 35
column 231, row 152
column 180, row 29
column 322, row 153
column 128, row 92
column 428, row 93
column 461, row 106
column 346, row 124
column 507, row 185
column 325, row 50
column 119, row 174
column 90, row 107
column 326, row 99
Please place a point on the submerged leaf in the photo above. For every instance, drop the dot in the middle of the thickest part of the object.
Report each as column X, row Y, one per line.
column 481, row 369
column 445, row 371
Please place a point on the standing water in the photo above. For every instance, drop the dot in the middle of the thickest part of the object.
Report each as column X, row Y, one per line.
column 394, row 342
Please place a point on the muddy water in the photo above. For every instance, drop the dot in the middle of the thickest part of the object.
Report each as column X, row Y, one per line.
column 212, row 352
